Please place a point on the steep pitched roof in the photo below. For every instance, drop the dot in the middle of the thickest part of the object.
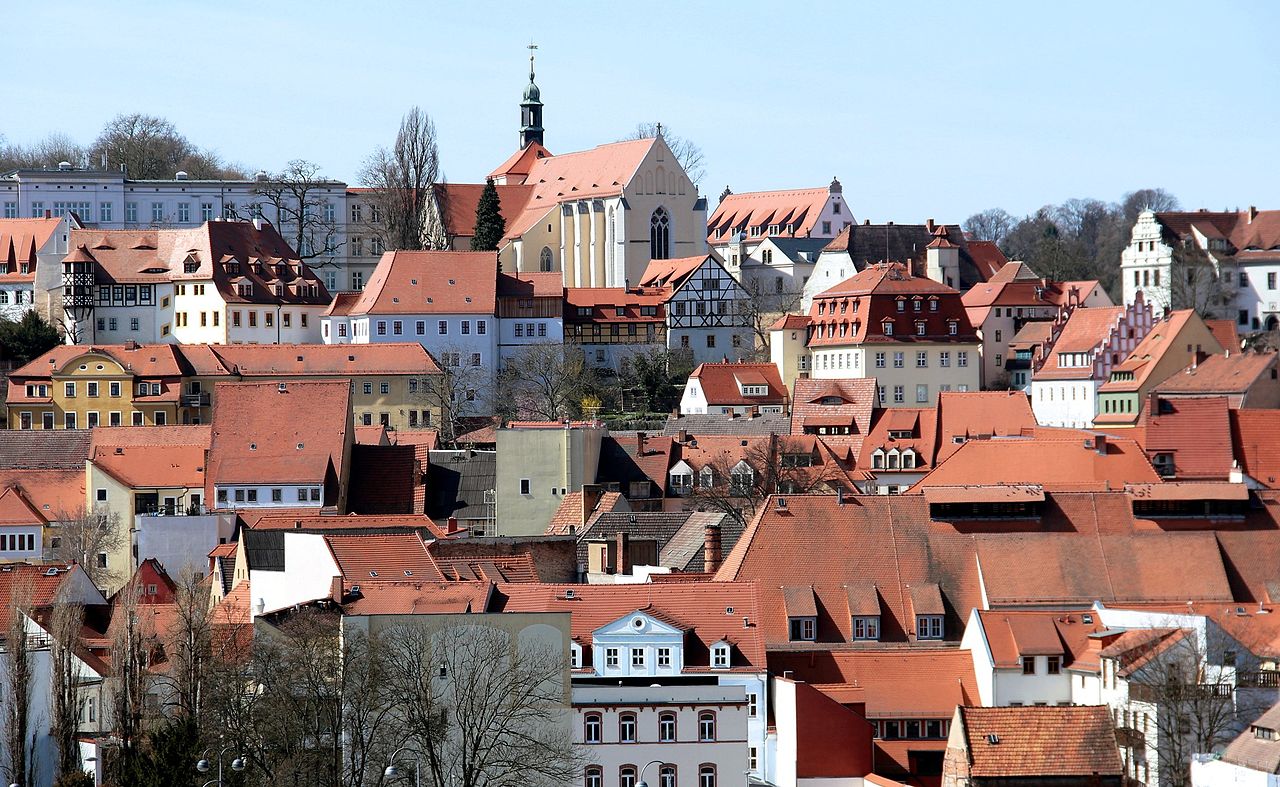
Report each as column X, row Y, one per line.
column 1256, row 752
column 279, row 433
column 16, row 509
column 272, row 360
column 987, row 258
column 1180, row 426
column 1221, row 373
column 980, row 414
column 157, row 465
column 20, row 242
column 672, row 272
column 877, row 297
column 1013, row 634
column 431, row 282
column 1027, row 742
column 1084, row 330
column 1142, row 362
column 389, row 556
column 602, row 171
column 1255, row 438
column 701, row 608
column 459, row 202
column 573, row 511
column 818, row 405
column 721, row 383
column 60, row 449
column 797, row 208
column 925, row 682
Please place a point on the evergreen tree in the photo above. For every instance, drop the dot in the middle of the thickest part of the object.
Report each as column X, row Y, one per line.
column 490, row 226
column 28, row 338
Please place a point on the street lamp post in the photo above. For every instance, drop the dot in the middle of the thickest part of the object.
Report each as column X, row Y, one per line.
column 645, row 768
column 204, row 766
column 394, row 771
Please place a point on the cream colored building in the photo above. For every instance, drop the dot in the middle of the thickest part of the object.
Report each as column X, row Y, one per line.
column 539, row 463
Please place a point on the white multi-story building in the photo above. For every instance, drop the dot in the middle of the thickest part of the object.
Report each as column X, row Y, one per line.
column 530, row 312
column 31, row 252
column 677, row 685
column 742, row 223
column 444, row 300
column 224, row 282
column 1243, row 248
column 1076, row 359
column 706, row 317
column 112, row 201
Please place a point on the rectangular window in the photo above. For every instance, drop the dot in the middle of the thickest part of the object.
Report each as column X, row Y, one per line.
column 867, row 627
column 206, row 211
column 466, row 327
column 1054, row 665
column 157, row 211
column 929, row 627
column 382, row 327
column 637, row 658
column 879, row 360
column 962, row 359
column 69, row 420
column 442, row 327
column 922, row 392
column 611, row 658
column 384, row 388
column 524, row 486
column 897, row 360
column 899, row 395
column 922, row 359
column 420, row 327
column 664, row 658
column 397, row 327
column 1028, row 665
column 184, row 211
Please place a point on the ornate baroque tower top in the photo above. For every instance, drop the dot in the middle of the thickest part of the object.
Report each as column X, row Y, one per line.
column 531, row 109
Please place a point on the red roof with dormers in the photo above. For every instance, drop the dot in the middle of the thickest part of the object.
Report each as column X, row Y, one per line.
column 20, row 241
column 829, row 406
column 709, row 612
column 1084, row 332
column 1255, row 437
column 987, row 257
column 885, row 303
column 603, row 304
column 1013, row 634
column 721, row 383
column 794, row 211
column 431, row 282
column 672, row 272
column 1191, row 431
column 233, row 254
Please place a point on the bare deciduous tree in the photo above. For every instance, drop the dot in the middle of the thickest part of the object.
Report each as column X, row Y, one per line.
column 151, row 147
column 1195, row 282
column 546, row 382
column 738, row 484
column 65, row 622
column 762, row 308
column 461, row 394
column 686, row 151
column 304, row 213
column 44, row 154
column 19, row 738
column 133, row 643
column 993, row 224
column 482, row 709
column 82, row 535
column 402, row 178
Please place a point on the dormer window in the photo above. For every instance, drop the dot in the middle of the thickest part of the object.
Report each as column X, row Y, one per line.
column 866, row 627
column 575, row 655
column 1264, row 733
column 803, row 629
column 908, row 459
column 887, row 327
column 928, row 627
column 720, row 655
column 707, row 477
column 681, row 481
column 919, row 327
column 877, row 460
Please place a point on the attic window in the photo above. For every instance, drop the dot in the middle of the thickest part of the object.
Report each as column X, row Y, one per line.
column 299, row 446
column 253, row 446
column 720, row 655
column 468, row 299
column 451, row 282
column 373, row 573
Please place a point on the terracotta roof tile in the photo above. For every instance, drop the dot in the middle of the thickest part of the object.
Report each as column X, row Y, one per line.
column 1221, row 373
column 721, row 383
column 390, row 556
column 1180, row 428
column 572, row 513
column 1255, row 437
column 799, row 208
column 1027, row 742
column 899, row 683
column 870, row 300
column 402, row 597
column 60, row 449
column 431, row 282
column 460, row 200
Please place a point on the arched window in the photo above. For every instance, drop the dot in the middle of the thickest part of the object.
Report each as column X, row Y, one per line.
column 591, row 728
column 667, row 776
column 546, row 262
column 666, row 727
column 707, row 726
column 626, row 728
column 660, row 235
column 627, row 776
column 594, row 777
column 706, row 776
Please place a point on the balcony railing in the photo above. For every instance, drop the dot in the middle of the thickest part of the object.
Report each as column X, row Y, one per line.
column 195, row 400
column 1262, row 679
column 174, row 511
column 1155, row 693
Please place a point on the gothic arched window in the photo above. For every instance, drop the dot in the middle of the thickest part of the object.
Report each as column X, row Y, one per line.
column 660, row 235
column 545, row 261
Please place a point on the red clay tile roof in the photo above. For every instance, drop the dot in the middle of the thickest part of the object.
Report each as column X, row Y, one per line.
column 303, row 360
column 342, row 304
column 1255, row 438
column 1028, row 742
column 922, row 423
column 161, row 255
column 1054, row 459
column 672, row 272
column 980, row 414
column 721, row 383
column 1259, row 232
column 1180, row 428
column 987, row 257
column 1007, row 290
column 868, row 301
column 1164, row 337
column 52, row 493
column 790, row 322
column 602, row 171
column 404, row 597
column 41, row 581
column 900, row 683
column 527, row 284
column 372, row 523
column 494, row 568
column 160, row 465
column 391, row 556
column 699, row 607
column 265, row 435
column 1253, row 752
column 431, row 282
column 604, row 302
column 521, row 162
column 459, row 201
column 844, row 402
column 1013, row 634
column 20, row 241
column 799, row 208
column 571, row 514
column 149, row 360
column 1225, row 332
column 1221, row 373
column 15, row 509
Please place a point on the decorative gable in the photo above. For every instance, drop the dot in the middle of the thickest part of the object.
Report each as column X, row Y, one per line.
column 645, row 642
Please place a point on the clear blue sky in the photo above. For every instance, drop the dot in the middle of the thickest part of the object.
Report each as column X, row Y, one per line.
column 922, row 110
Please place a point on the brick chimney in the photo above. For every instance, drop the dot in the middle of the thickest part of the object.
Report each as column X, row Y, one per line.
column 622, row 556
column 1253, row 213
column 712, row 549
column 683, row 435
column 641, row 440
column 451, row 525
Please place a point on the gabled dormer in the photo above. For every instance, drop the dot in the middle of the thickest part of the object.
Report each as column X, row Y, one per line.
column 643, row 643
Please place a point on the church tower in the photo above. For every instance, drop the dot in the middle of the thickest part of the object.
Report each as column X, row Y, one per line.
column 531, row 109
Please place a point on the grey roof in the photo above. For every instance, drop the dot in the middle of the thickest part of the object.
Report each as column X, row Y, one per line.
column 871, row 243
column 685, row 549
column 58, row 449
column 457, row 481
column 264, row 549
column 765, row 423
column 794, row 247
column 639, row 526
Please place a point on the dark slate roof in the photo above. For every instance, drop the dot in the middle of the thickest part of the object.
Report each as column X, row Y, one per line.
column 59, row 449
column 264, row 549
column 793, row 247
column 620, row 464
column 867, row 244
column 382, row 479
column 639, row 526
column 228, row 567
column 457, row 481
column 763, row 424
column 685, row 549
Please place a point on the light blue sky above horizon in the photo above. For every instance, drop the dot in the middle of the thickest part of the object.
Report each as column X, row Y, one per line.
column 921, row 109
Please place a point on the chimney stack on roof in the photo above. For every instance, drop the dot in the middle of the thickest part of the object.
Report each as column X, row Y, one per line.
column 622, row 558
column 928, row 225
column 683, row 435
column 1253, row 213
column 452, row 525
column 712, row 548
column 591, row 494
column 642, row 440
